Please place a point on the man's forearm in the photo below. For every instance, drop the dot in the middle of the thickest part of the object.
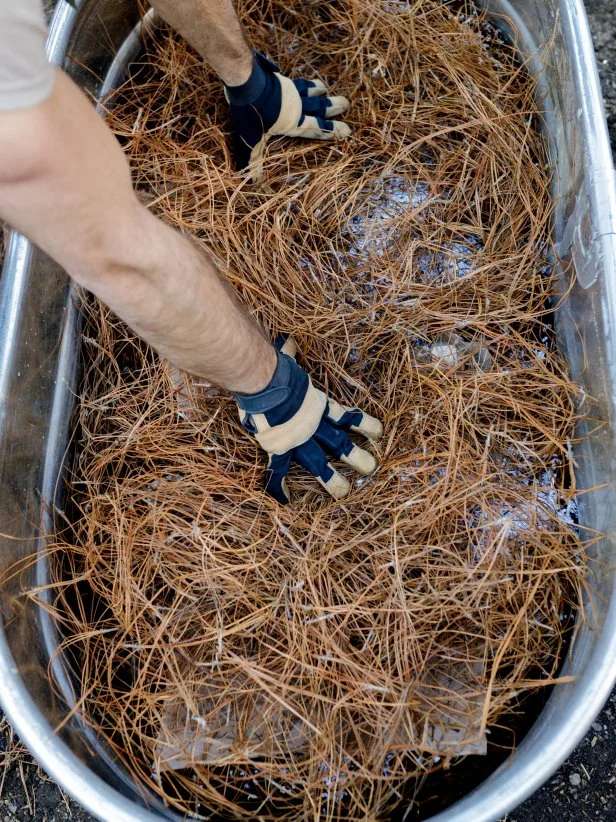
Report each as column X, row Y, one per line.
column 65, row 183
column 192, row 315
column 213, row 29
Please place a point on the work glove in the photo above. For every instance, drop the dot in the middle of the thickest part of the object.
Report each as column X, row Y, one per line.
column 269, row 104
column 294, row 421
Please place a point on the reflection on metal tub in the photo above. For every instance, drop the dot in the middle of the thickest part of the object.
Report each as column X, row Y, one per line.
column 38, row 356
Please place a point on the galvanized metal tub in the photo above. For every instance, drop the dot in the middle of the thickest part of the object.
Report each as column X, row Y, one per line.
column 38, row 355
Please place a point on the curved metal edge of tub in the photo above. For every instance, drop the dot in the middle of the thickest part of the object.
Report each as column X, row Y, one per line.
column 571, row 708
column 31, row 724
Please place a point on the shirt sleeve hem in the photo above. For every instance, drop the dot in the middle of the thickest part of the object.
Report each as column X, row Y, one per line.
column 28, row 95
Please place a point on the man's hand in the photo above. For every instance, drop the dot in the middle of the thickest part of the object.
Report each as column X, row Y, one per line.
column 270, row 104
column 293, row 420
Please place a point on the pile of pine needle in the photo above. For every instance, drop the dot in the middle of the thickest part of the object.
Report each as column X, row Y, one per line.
column 312, row 661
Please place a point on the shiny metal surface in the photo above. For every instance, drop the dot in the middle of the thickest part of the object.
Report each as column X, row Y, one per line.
column 39, row 333
column 39, row 329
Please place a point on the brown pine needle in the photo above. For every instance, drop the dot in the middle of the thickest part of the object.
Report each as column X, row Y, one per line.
column 301, row 662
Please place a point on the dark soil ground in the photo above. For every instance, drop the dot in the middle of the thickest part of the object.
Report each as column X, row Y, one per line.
column 584, row 788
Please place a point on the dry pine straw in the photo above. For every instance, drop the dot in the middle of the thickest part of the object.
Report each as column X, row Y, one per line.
column 309, row 660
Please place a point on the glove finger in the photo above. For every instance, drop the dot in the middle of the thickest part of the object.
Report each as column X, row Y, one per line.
column 325, row 106
column 310, row 88
column 311, row 456
column 242, row 152
column 286, row 345
column 338, row 443
column 249, row 157
column 353, row 419
column 276, row 477
column 316, row 128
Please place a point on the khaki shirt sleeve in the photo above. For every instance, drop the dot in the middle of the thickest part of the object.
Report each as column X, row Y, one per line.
column 26, row 77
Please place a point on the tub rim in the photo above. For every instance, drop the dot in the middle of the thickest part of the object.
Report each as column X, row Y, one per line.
column 521, row 774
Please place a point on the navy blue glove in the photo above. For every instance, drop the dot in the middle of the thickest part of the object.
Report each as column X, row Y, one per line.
column 293, row 420
column 268, row 104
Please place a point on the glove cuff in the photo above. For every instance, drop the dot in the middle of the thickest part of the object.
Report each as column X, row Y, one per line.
column 253, row 88
column 288, row 380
